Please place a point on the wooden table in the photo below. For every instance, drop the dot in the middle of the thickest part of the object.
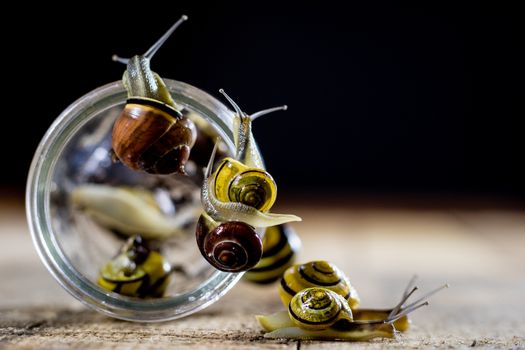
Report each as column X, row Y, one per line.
column 478, row 250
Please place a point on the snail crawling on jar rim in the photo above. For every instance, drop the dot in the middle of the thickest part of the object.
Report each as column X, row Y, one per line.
column 318, row 313
column 236, row 198
column 136, row 271
column 151, row 134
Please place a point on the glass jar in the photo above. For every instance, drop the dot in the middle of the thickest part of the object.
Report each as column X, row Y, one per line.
column 77, row 150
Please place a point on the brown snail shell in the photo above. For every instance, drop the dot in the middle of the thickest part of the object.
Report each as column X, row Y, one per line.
column 152, row 136
column 233, row 246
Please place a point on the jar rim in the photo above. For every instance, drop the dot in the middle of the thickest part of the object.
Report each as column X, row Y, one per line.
column 38, row 215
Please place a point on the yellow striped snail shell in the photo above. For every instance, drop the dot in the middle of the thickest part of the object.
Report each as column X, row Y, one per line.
column 318, row 308
column 136, row 271
column 236, row 182
column 280, row 246
column 316, row 274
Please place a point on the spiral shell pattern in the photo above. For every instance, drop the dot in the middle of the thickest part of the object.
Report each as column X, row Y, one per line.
column 318, row 308
column 316, row 274
column 233, row 246
column 235, row 182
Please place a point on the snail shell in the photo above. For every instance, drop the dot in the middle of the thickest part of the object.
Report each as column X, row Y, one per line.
column 280, row 246
column 232, row 246
column 316, row 274
column 318, row 308
column 152, row 136
column 236, row 182
column 136, row 272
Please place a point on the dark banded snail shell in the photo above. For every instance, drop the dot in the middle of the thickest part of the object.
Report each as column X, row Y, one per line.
column 231, row 246
column 280, row 246
column 316, row 274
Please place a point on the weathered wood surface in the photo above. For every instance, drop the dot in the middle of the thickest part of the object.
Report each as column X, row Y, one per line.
column 481, row 253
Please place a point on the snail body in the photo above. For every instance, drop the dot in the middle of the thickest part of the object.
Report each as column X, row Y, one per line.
column 136, row 271
column 316, row 274
column 130, row 211
column 151, row 134
column 280, row 246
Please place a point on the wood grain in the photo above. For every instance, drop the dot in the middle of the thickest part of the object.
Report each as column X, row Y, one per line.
column 480, row 252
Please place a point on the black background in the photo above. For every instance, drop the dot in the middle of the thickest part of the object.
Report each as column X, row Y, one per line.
column 383, row 97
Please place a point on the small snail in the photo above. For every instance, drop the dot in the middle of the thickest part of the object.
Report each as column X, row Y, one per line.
column 150, row 133
column 136, row 271
column 280, row 246
column 320, row 314
column 232, row 246
column 316, row 274
column 235, row 200
column 222, row 211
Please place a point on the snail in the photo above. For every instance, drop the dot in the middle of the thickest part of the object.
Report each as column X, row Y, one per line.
column 131, row 211
column 236, row 198
column 136, row 271
column 224, row 209
column 221, row 221
column 316, row 274
column 232, row 246
column 151, row 134
column 320, row 314
column 280, row 246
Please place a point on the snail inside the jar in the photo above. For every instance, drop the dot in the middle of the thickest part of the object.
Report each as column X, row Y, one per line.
column 136, row 271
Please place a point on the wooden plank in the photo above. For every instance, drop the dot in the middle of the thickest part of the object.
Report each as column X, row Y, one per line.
column 480, row 253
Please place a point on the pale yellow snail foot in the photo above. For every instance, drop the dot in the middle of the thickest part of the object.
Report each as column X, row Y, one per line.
column 296, row 333
column 275, row 321
column 130, row 211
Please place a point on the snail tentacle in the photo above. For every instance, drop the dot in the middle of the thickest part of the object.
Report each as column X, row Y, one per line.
column 267, row 111
column 153, row 49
